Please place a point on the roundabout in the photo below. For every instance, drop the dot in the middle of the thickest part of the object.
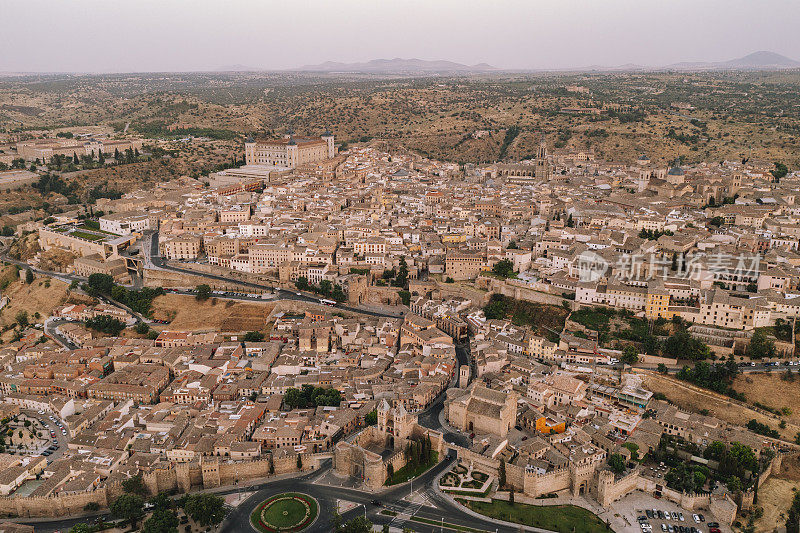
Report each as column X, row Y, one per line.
column 286, row 512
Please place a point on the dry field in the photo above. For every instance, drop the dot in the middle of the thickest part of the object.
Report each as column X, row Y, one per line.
column 691, row 398
column 776, row 494
column 214, row 314
column 42, row 296
column 772, row 390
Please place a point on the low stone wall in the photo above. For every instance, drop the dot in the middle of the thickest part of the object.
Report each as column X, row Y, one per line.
column 178, row 280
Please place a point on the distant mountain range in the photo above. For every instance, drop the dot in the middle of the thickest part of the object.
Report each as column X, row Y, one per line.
column 761, row 60
column 397, row 65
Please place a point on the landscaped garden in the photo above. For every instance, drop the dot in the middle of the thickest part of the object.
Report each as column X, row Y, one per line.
column 290, row 512
column 465, row 481
column 561, row 518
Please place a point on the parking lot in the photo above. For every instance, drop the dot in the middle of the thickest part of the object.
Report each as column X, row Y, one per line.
column 663, row 516
column 57, row 434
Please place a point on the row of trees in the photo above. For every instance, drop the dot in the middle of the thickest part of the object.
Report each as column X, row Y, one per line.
column 208, row 510
column 717, row 377
column 326, row 288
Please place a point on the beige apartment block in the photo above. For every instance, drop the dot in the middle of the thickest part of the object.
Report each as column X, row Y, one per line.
column 290, row 151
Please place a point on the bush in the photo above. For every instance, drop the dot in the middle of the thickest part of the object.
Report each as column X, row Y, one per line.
column 203, row 292
column 106, row 324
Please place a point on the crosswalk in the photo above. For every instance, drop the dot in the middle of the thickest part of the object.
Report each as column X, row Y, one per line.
column 404, row 514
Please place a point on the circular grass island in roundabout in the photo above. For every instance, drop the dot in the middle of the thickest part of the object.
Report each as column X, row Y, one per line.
column 289, row 511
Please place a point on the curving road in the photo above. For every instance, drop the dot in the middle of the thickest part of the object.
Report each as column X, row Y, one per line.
column 436, row 508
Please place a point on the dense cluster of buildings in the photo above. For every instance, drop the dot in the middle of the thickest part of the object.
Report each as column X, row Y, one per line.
column 713, row 244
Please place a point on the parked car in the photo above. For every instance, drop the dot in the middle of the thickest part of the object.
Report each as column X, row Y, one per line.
column 713, row 524
column 696, row 518
column 680, row 517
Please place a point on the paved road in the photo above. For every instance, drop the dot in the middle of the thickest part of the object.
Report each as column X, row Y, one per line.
column 436, row 508
column 51, row 330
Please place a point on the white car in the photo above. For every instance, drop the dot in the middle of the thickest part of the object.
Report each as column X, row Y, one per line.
column 696, row 518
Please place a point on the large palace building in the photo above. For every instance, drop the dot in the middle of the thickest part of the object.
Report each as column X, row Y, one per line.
column 290, row 151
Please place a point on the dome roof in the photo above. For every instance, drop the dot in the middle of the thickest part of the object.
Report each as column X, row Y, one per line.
column 675, row 171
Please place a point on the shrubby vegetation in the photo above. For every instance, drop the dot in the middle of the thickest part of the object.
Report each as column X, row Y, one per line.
column 139, row 301
column 310, row 396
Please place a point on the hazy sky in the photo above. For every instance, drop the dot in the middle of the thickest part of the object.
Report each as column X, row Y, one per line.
column 173, row 35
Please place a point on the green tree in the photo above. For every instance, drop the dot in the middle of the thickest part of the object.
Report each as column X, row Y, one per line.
column 405, row 297
column 80, row 527
column 356, row 525
column 371, row 418
column 142, row 328
column 128, row 507
column 202, row 292
column 299, row 462
column 102, row 283
column 717, row 221
column 760, row 346
column 617, row 463
column 634, row 449
column 161, row 521
column 630, row 355
column 401, row 280
column 793, row 515
column 28, row 276
column 106, row 324
column 504, row 268
column 253, row 336
column 135, row 485
column 780, row 171
column 205, row 509
column 389, row 472
column 501, row 474
column 91, row 507
column 21, row 319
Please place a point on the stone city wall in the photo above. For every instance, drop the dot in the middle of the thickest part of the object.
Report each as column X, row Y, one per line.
column 179, row 477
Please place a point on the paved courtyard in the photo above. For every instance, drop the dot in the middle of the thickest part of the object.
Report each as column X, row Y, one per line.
column 635, row 504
